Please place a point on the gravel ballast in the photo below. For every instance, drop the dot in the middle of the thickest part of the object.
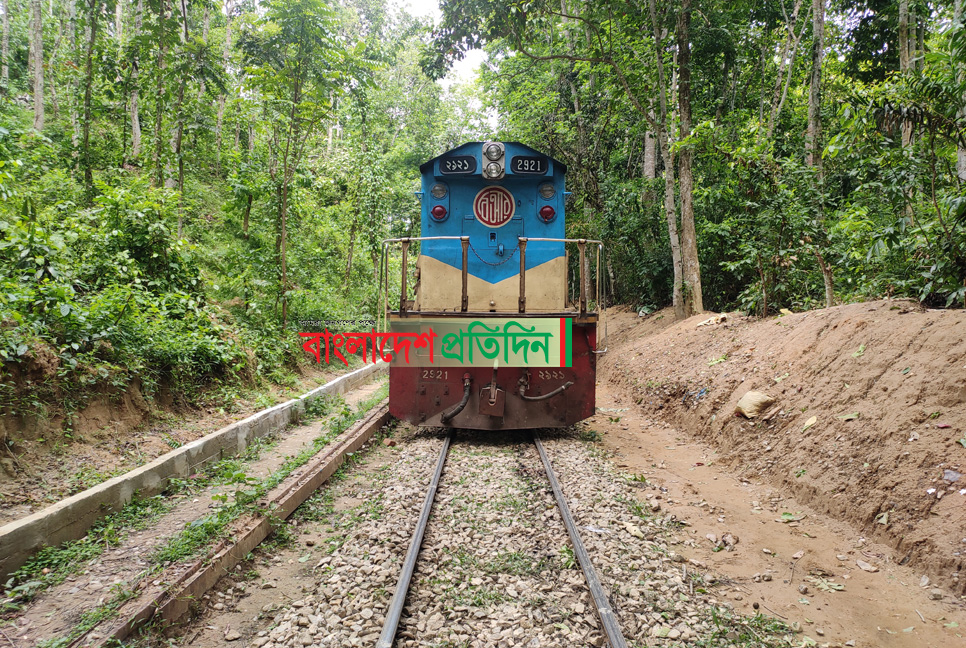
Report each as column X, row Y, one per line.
column 497, row 568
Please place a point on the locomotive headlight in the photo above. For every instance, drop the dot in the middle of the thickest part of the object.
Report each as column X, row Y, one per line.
column 547, row 191
column 493, row 170
column 439, row 191
column 493, row 152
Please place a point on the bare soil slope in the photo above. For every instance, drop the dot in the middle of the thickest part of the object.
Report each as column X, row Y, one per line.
column 885, row 383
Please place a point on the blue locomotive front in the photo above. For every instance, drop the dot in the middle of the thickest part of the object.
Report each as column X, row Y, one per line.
column 493, row 264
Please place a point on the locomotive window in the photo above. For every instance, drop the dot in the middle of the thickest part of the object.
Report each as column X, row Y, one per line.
column 526, row 164
column 457, row 165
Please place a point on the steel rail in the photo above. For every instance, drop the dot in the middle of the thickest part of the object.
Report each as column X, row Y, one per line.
column 608, row 620
column 402, row 587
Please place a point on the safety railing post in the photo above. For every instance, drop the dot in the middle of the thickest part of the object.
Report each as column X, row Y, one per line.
column 405, row 272
column 523, row 275
column 582, row 247
column 465, row 300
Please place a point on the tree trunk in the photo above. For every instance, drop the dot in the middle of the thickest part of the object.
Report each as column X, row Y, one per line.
column 88, row 89
column 693, row 299
column 650, row 156
column 178, row 133
column 37, row 31
column 904, row 60
column 159, row 99
column 219, row 120
column 205, row 24
column 786, row 64
column 961, row 73
column 813, row 138
column 283, row 246
column 670, row 209
column 5, row 51
column 135, row 75
column 75, row 132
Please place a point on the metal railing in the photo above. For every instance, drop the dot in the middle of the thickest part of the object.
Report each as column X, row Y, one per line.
column 406, row 242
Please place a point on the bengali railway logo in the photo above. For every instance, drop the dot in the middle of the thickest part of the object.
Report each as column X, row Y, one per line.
column 493, row 206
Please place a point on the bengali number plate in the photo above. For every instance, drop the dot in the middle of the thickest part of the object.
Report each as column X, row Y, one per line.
column 457, row 165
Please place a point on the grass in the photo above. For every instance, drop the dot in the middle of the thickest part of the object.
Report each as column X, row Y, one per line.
column 59, row 562
column 91, row 619
column 51, row 565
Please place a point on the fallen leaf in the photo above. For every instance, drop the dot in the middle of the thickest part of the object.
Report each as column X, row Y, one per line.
column 882, row 518
column 810, row 422
column 849, row 417
column 860, row 352
column 864, row 566
column 906, row 370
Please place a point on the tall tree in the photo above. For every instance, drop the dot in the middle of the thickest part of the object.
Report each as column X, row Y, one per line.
column 220, row 114
column 293, row 62
column 667, row 155
column 135, row 89
column 691, row 268
column 905, row 60
column 94, row 12
column 37, row 59
column 177, row 132
column 961, row 76
column 813, row 141
column 159, row 98
column 75, row 128
column 5, row 55
column 786, row 63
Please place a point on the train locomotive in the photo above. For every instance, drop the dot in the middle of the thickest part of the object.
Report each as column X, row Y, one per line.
column 492, row 269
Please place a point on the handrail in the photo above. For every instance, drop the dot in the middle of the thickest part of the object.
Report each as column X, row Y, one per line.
column 464, row 298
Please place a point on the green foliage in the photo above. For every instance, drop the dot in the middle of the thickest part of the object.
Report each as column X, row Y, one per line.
column 886, row 218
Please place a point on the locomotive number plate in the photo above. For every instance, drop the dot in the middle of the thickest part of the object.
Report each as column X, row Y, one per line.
column 494, row 206
column 525, row 164
column 457, row 165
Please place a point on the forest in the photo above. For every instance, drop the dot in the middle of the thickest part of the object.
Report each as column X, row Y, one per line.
column 183, row 182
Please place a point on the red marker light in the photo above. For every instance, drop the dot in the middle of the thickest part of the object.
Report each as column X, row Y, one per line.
column 438, row 212
column 547, row 213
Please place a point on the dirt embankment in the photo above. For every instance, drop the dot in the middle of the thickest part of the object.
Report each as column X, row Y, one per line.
column 870, row 409
column 50, row 453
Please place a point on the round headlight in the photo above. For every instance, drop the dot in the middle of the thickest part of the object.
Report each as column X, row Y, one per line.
column 547, row 191
column 494, row 152
column 438, row 190
column 493, row 170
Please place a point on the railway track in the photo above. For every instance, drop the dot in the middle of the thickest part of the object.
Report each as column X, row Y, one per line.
column 480, row 558
column 605, row 613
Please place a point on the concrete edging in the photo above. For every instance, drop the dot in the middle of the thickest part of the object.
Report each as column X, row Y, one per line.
column 71, row 518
